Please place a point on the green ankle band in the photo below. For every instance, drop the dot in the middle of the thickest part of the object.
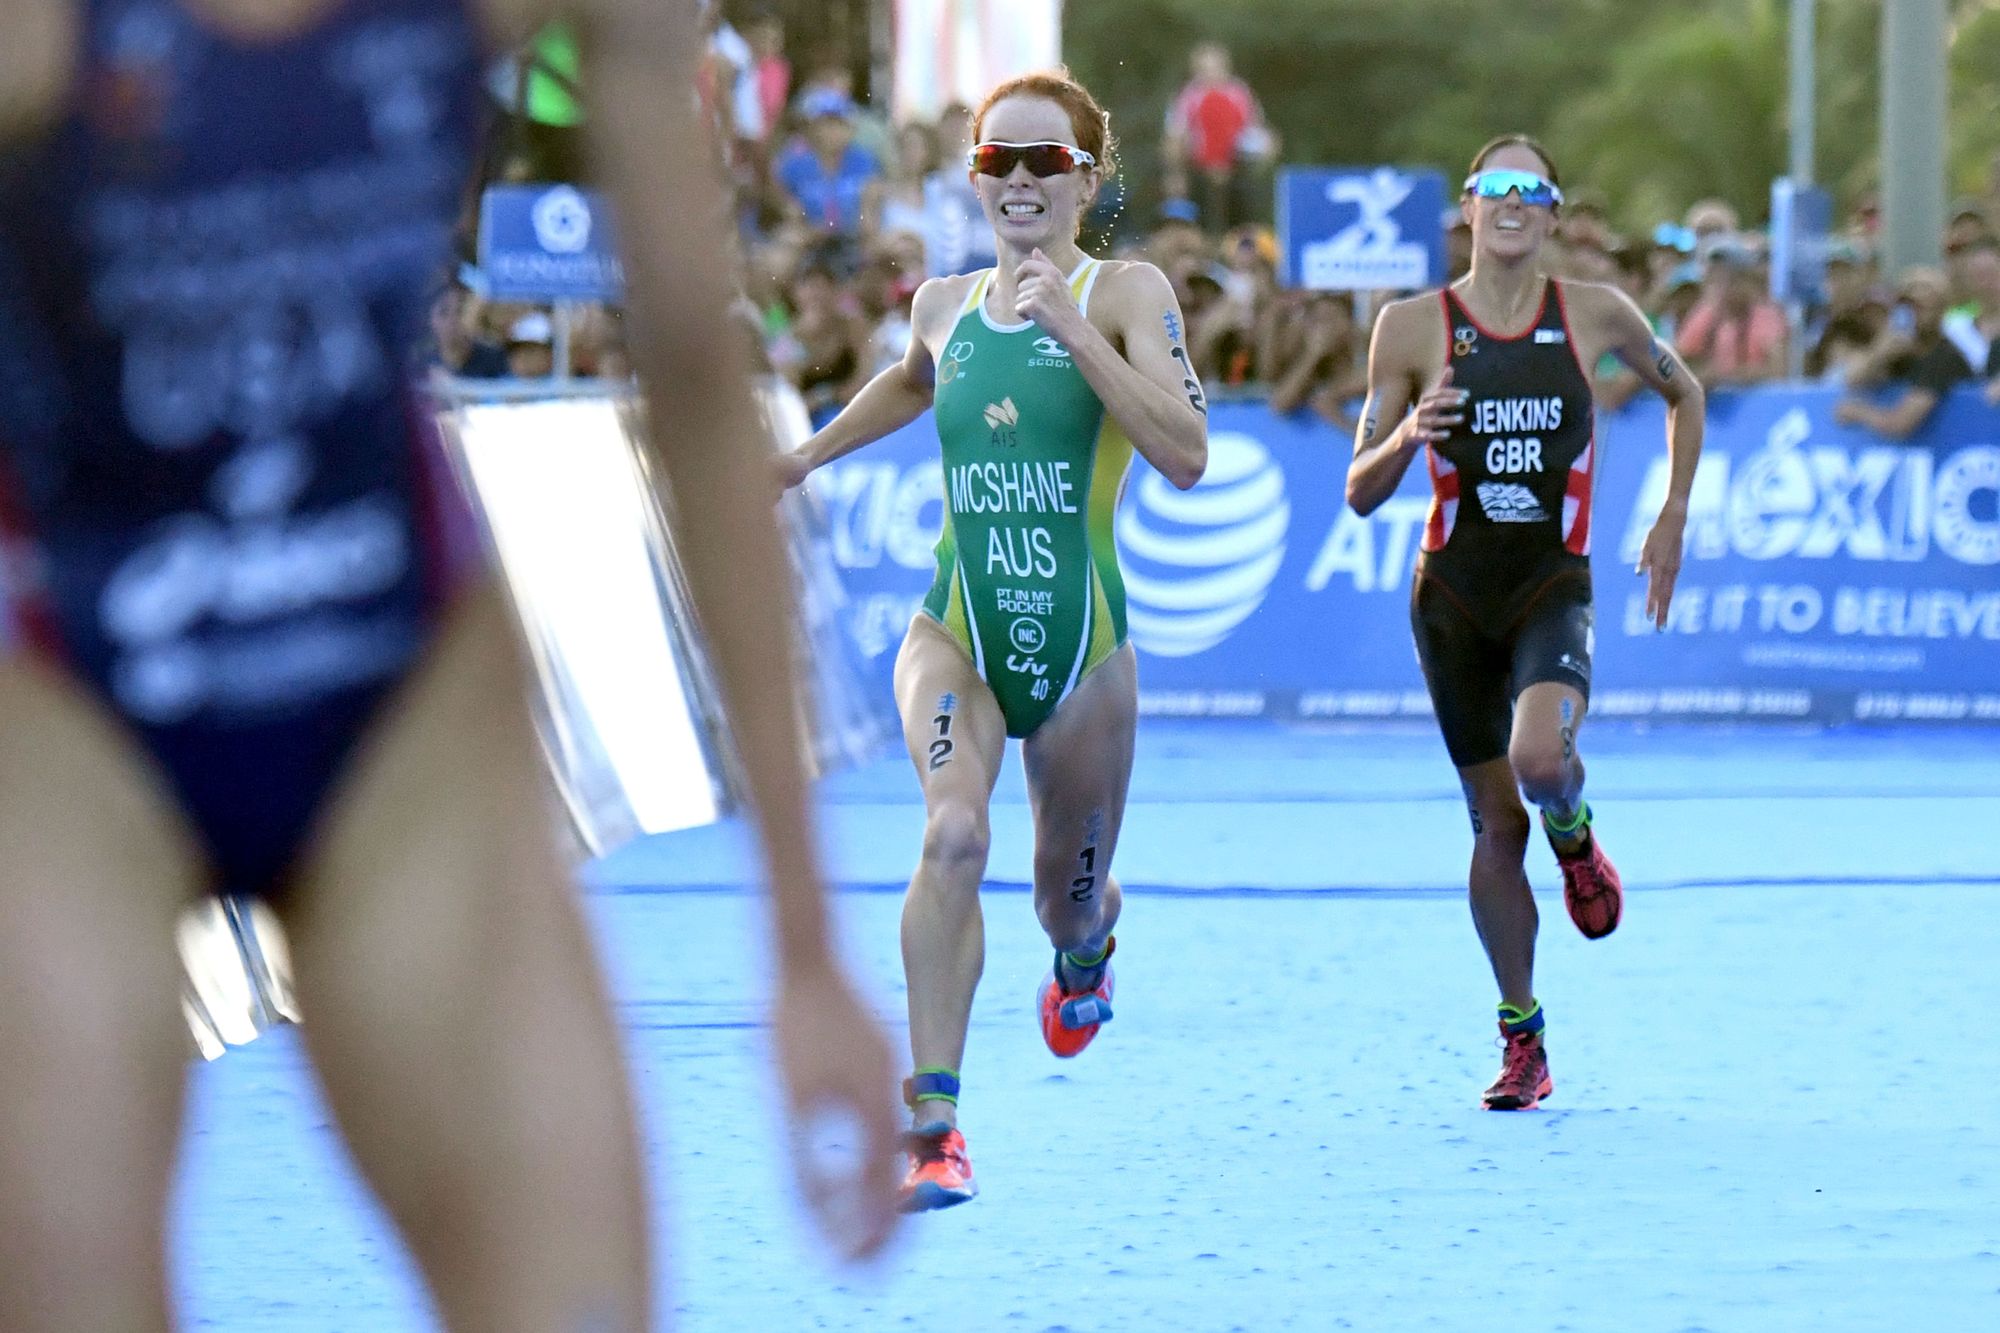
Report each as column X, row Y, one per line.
column 1079, row 960
column 1579, row 819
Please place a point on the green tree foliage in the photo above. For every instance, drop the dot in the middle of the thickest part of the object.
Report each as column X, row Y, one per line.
column 1657, row 102
column 1975, row 98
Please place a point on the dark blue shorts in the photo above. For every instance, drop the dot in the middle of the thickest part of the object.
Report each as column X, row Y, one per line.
column 249, row 652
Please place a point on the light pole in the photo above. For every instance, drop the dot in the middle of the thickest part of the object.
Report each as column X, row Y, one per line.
column 1802, row 91
column 1914, row 50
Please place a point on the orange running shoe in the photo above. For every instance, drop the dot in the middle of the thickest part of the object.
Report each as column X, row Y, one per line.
column 1524, row 1074
column 1070, row 1019
column 1592, row 890
column 940, row 1173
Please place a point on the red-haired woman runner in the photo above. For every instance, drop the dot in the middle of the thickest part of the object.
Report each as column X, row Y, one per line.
column 1047, row 372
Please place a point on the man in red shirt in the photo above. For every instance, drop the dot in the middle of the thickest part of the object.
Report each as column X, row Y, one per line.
column 1212, row 126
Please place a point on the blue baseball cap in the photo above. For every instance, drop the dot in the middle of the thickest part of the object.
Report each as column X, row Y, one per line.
column 1669, row 236
column 1685, row 275
column 826, row 102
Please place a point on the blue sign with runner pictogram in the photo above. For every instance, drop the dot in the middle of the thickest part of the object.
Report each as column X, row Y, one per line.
column 1347, row 229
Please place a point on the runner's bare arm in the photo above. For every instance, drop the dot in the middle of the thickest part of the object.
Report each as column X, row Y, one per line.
column 1629, row 337
column 894, row 398
column 713, row 453
column 37, row 60
column 1898, row 421
column 1390, row 434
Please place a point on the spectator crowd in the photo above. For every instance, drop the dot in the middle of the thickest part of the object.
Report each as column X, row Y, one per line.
column 841, row 214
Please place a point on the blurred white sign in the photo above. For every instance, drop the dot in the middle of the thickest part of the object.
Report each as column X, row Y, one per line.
column 957, row 50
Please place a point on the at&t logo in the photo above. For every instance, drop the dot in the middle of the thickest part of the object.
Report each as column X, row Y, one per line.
column 1199, row 562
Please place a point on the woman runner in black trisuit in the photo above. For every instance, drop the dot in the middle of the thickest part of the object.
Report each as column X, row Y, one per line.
column 1494, row 368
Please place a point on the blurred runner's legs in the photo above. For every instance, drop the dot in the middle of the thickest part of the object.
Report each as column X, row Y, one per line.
column 453, row 1005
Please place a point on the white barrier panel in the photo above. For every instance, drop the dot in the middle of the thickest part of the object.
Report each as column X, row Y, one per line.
column 236, row 974
column 563, row 504
column 626, row 706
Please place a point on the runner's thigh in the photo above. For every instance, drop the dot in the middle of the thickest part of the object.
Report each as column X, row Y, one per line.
column 952, row 725
column 1079, row 766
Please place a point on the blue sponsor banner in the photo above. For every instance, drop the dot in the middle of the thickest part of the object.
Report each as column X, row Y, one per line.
column 548, row 243
column 1828, row 575
column 1360, row 229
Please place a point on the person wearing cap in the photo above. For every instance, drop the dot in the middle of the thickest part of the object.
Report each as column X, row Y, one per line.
column 1177, row 236
column 1323, row 361
column 1852, row 317
column 531, row 346
column 1711, row 222
column 826, row 175
column 1679, row 293
column 963, row 243
column 1736, row 334
column 1234, row 342
column 1974, row 327
column 1913, row 353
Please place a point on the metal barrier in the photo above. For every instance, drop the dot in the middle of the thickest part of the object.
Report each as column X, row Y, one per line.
column 626, row 706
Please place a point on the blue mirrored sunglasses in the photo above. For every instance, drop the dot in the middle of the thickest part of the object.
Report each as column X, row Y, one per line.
column 1534, row 191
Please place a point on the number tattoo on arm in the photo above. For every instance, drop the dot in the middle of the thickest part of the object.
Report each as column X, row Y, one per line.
column 1188, row 381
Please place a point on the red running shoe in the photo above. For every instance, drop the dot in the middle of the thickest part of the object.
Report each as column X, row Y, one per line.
column 940, row 1173
column 1524, row 1074
column 1592, row 890
column 1071, row 1019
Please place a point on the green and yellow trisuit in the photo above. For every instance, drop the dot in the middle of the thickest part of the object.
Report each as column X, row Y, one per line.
column 1027, row 575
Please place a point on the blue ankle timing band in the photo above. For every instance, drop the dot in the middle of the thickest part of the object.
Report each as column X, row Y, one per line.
column 1519, row 1024
column 930, row 1085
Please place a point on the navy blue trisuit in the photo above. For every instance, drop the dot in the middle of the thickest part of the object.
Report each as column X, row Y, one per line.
column 226, row 510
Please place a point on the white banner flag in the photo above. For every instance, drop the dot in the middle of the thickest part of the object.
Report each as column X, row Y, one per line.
column 957, row 50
